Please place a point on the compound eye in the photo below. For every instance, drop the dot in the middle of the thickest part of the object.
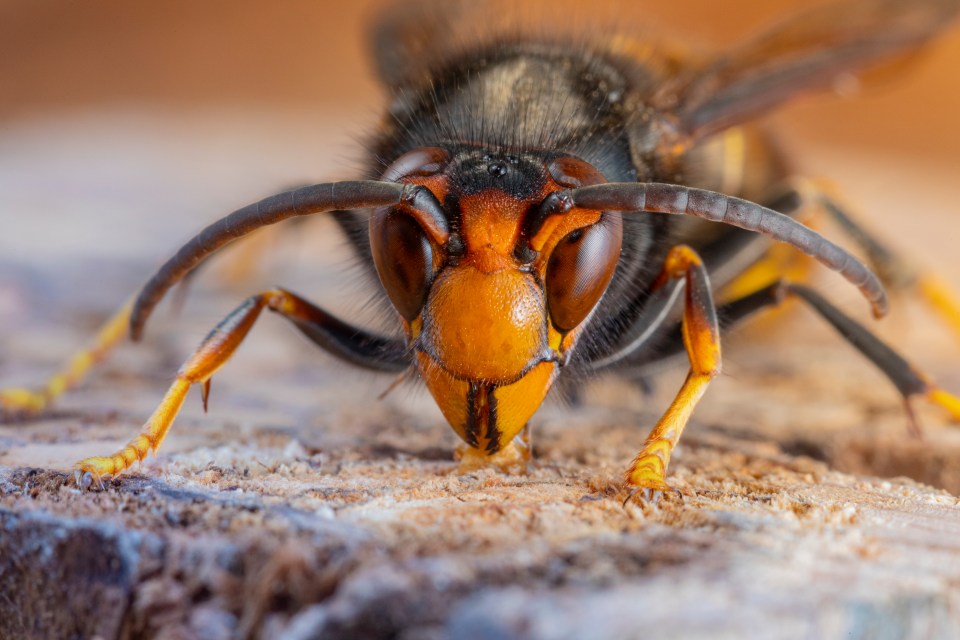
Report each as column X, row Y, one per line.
column 580, row 268
column 404, row 260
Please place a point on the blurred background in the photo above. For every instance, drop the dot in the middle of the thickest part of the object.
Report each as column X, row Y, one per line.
column 150, row 114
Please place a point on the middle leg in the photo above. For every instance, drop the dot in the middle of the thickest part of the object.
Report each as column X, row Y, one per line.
column 911, row 382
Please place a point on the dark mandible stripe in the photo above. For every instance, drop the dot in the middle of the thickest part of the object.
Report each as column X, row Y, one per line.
column 472, row 428
column 717, row 207
column 493, row 429
column 317, row 198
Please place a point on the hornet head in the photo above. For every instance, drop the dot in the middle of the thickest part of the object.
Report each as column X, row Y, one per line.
column 493, row 311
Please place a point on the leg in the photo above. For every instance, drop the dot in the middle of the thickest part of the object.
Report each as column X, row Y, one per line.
column 807, row 199
column 649, row 467
column 351, row 343
column 701, row 338
column 28, row 401
column 909, row 381
column 895, row 271
column 339, row 338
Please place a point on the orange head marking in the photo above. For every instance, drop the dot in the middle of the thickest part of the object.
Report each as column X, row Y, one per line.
column 485, row 326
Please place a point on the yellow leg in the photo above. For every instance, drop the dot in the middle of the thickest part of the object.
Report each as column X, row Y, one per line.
column 649, row 468
column 945, row 400
column 30, row 401
column 780, row 262
column 896, row 272
column 819, row 198
column 154, row 431
column 701, row 337
column 212, row 354
column 941, row 298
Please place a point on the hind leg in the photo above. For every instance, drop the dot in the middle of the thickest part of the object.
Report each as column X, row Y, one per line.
column 18, row 402
column 896, row 271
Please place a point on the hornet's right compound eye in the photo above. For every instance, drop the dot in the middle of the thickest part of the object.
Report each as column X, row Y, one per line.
column 580, row 268
column 404, row 260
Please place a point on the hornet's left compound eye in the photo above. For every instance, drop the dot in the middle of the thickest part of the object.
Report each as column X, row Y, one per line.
column 580, row 268
column 404, row 260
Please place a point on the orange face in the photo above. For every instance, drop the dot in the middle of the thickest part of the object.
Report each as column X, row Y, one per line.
column 493, row 313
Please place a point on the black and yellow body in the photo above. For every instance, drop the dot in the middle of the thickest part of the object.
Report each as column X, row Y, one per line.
column 503, row 117
column 541, row 207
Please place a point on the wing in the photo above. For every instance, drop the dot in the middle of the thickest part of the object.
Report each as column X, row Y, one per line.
column 807, row 53
column 409, row 37
column 413, row 39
